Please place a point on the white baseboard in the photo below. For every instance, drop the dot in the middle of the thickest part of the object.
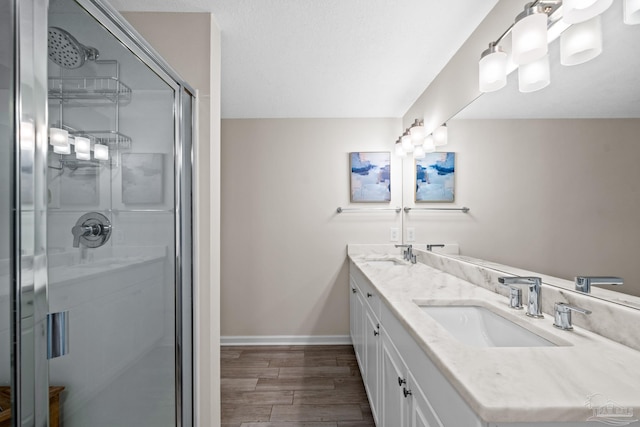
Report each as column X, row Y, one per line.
column 286, row 340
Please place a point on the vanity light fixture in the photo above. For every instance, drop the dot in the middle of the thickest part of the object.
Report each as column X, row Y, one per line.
column 418, row 132
column 534, row 76
column 581, row 42
column 83, row 148
column 58, row 137
column 493, row 69
column 407, row 142
column 440, row 135
column 577, row 11
column 418, row 152
column 63, row 149
column 577, row 22
column 529, row 35
column 429, row 145
column 631, row 12
column 101, row 152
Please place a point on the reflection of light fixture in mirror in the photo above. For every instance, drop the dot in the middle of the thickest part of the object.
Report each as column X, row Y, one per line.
column 493, row 69
column 529, row 35
column 429, row 145
column 63, row 149
column 407, row 142
column 534, row 76
column 101, row 152
column 418, row 132
column 58, row 137
column 418, row 152
column 631, row 12
column 581, row 42
column 440, row 135
column 399, row 150
column 83, row 148
column 576, row 11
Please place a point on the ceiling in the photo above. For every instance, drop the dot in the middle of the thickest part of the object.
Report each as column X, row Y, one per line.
column 330, row 58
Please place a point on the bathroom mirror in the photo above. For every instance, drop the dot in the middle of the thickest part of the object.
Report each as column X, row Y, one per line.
column 553, row 176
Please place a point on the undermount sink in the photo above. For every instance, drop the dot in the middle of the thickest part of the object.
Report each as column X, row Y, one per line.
column 385, row 262
column 480, row 327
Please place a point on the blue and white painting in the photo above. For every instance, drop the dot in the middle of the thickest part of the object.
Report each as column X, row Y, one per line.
column 371, row 177
column 435, row 177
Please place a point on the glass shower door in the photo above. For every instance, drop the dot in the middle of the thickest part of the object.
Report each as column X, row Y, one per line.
column 113, row 227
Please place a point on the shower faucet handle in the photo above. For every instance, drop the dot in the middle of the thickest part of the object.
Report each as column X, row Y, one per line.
column 92, row 230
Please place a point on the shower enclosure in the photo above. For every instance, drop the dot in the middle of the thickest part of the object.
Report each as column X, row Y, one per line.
column 95, row 222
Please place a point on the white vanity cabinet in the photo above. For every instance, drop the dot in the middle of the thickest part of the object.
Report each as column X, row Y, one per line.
column 400, row 380
column 365, row 334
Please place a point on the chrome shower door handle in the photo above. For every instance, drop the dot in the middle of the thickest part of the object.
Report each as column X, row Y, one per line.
column 57, row 334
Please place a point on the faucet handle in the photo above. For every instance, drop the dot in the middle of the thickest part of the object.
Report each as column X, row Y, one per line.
column 562, row 314
column 583, row 283
column 515, row 296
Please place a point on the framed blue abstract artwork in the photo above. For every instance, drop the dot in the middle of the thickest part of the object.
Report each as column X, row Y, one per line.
column 370, row 177
column 435, row 177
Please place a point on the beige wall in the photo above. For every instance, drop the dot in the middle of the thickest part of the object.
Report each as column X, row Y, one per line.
column 190, row 43
column 284, row 269
column 560, row 197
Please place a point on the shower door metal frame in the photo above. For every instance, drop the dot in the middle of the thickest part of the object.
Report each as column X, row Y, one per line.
column 29, row 288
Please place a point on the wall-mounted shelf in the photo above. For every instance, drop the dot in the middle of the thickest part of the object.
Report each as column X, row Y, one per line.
column 111, row 138
column 84, row 90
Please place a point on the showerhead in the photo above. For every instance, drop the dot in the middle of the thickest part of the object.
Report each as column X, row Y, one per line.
column 66, row 51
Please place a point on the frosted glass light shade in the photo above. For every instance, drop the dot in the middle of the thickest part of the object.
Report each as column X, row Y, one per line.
column 529, row 37
column 429, row 145
column 101, row 152
column 632, row 12
column 64, row 148
column 83, row 145
column 399, row 151
column 440, row 136
column 58, row 137
column 492, row 69
column 83, row 156
column 407, row 143
column 534, row 76
column 418, row 152
column 576, row 11
column 581, row 42
column 418, row 132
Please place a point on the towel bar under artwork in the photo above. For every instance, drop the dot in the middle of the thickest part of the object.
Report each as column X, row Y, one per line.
column 370, row 176
column 435, row 175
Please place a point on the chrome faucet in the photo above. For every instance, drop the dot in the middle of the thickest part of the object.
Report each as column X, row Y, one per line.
column 534, row 307
column 408, row 253
column 562, row 315
column 431, row 246
column 583, row 283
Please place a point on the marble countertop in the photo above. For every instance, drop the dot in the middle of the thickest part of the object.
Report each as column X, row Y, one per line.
column 509, row 384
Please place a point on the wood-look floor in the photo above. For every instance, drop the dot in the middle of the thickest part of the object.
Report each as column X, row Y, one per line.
column 292, row 386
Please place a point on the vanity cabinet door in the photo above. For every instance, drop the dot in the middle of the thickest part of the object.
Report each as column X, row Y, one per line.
column 421, row 412
column 372, row 362
column 394, row 405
